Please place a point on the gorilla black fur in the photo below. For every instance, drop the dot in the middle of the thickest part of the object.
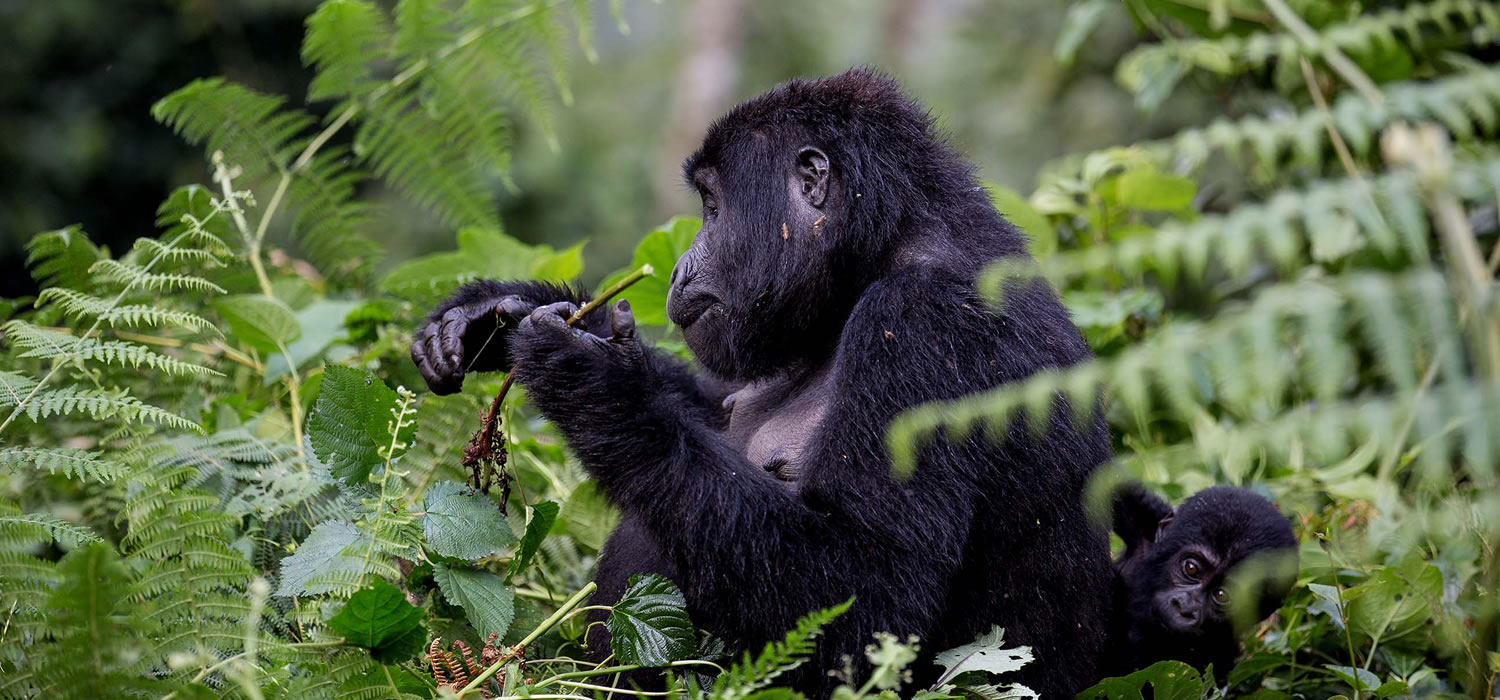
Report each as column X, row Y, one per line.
column 1173, row 595
column 830, row 289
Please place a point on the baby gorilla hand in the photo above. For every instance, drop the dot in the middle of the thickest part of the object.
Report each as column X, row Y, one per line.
column 467, row 337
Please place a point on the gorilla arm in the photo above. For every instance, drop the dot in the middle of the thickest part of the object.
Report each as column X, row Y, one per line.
column 757, row 552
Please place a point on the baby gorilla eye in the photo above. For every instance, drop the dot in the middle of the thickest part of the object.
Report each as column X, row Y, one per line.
column 1191, row 568
column 1221, row 596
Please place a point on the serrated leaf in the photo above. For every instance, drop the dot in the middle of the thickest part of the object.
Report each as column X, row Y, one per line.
column 262, row 322
column 650, row 624
column 539, row 520
column 987, row 653
column 462, row 523
column 588, row 515
column 351, row 423
column 660, row 249
column 380, row 619
column 489, row 604
column 318, row 555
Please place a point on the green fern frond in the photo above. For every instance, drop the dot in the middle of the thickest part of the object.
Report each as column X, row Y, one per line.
column 17, row 530
column 43, row 343
column 341, row 37
column 152, row 248
column 1150, row 71
column 78, row 304
column 62, row 257
column 74, row 464
column 253, row 131
column 98, row 404
column 1292, row 335
column 1467, row 103
column 111, row 270
column 750, row 675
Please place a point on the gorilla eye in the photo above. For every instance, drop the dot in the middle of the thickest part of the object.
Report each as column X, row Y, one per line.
column 1191, row 568
column 1221, row 596
column 710, row 204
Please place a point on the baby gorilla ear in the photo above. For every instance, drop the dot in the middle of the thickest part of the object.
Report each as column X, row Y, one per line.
column 812, row 166
column 1161, row 527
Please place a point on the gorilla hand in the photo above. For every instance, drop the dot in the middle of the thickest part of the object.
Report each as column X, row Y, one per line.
column 561, row 364
column 464, row 335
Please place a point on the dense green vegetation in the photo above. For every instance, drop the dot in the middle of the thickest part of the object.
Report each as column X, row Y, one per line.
column 217, row 482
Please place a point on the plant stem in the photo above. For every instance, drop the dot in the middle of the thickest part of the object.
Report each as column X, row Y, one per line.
column 1336, row 59
column 540, row 630
column 294, row 385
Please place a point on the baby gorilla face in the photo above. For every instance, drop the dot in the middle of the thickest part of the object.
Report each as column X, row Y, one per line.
column 1195, row 596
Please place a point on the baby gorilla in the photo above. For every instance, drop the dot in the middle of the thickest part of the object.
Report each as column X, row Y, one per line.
column 1177, row 582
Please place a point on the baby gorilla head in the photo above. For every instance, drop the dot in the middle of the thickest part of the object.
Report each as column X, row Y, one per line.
column 1194, row 576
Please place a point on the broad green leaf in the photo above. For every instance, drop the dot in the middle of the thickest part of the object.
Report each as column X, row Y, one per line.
column 320, row 554
column 588, row 515
column 482, row 253
column 1148, row 189
column 262, row 322
column 660, row 249
column 987, row 653
column 322, row 323
column 380, row 619
column 483, row 595
column 1394, row 602
column 462, row 523
column 539, row 520
column 563, row 266
column 1080, row 22
column 650, row 624
column 1168, row 680
column 1039, row 232
column 1355, row 678
column 350, row 426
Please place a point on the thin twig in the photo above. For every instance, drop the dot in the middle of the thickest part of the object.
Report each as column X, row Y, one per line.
column 547, row 624
column 1333, row 133
column 1341, row 64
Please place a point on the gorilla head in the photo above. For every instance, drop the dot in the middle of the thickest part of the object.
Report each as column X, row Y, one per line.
column 807, row 190
column 1221, row 550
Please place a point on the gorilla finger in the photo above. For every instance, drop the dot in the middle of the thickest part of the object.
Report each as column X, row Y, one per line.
column 514, row 307
column 622, row 322
column 451, row 336
column 555, row 314
column 445, row 369
column 434, row 380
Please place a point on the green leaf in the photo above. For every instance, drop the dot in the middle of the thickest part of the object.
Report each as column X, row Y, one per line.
column 318, row 555
column 380, row 619
column 589, row 516
column 650, row 624
column 987, row 653
column 489, row 604
column 1355, row 677
column 1082, row 18
column 1039, row 232
column 1148, row 189
column 1169, row 680
column 660, row 249
column 539, row 520
column 260, row 321
column 322, row 323
column 351, row 423
column 462, row 523
column 563, row 266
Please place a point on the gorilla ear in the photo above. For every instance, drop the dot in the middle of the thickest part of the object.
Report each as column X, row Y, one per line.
column 812, row 169
column 1161, row 527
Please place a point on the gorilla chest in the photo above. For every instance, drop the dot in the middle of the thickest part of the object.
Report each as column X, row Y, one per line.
column 773, row 422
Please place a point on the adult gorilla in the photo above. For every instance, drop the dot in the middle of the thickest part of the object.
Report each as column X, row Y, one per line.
column 830, row 288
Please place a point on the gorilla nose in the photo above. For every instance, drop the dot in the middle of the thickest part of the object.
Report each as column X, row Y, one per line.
column 1186, row 612
column 684, row 302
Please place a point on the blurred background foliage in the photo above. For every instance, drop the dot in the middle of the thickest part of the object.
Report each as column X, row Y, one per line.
column 78, row 77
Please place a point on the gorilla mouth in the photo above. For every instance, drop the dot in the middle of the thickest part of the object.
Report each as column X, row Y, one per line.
column 689, row 311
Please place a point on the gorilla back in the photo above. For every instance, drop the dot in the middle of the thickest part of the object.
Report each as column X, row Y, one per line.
column 830, row 288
